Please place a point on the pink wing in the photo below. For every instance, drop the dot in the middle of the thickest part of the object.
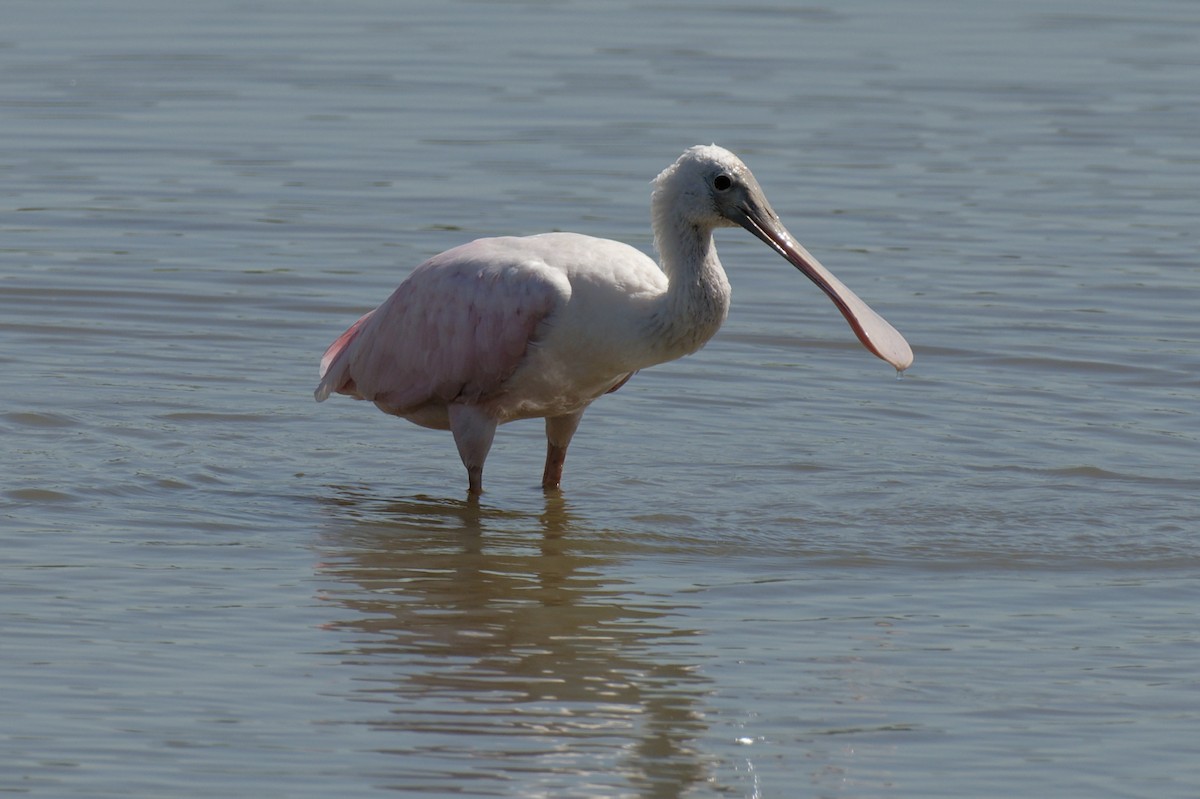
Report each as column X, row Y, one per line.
column 456, row 329
column 344, row 384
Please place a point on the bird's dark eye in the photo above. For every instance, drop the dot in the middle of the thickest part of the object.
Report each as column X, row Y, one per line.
column 722, row 182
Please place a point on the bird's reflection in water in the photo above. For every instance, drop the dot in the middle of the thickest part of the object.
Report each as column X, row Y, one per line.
column 506, row 652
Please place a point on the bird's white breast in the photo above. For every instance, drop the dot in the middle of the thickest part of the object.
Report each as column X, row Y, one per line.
column 597, row 337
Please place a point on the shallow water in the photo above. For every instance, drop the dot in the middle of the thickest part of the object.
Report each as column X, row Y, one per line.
column 774, row 570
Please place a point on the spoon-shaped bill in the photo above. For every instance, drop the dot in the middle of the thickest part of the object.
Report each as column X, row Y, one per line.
column 875, row 333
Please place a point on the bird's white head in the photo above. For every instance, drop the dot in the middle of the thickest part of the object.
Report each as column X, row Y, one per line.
column 700, row 188
column 709, row 187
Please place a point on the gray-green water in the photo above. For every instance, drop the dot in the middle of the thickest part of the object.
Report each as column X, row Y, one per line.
column 774, row 571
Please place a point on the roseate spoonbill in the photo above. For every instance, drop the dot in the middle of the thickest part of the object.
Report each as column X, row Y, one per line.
column 540, row 326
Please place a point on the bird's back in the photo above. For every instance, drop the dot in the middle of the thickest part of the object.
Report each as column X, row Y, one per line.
column 463, row 322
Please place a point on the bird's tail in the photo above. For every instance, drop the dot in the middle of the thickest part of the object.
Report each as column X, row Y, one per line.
column 335, row 363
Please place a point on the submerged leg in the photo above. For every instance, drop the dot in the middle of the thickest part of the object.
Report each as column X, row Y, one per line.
column 473, row 433
column 559, row 430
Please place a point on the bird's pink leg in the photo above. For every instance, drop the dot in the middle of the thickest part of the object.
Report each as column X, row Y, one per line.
column 559, row 430
column 473, row 433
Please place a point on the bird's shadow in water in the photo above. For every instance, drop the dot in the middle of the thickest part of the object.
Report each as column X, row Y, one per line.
column 525, row 609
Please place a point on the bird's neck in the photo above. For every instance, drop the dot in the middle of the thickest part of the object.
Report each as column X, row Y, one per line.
column 697, row 297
